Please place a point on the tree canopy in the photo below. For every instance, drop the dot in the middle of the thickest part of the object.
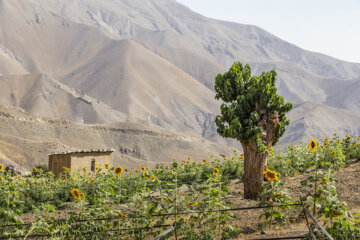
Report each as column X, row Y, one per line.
column 249, row 102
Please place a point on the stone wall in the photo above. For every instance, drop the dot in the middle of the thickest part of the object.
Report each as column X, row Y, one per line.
column 58, row 162
column 76, row 161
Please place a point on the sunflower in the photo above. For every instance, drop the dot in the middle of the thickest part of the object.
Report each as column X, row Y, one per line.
column 126, row 170
column 174, row 159
column 130, row 173
column 359, row 138
column 35, row 169
column 242, row 156
column 143, row 168
column 347, row 136
column 183, row 161
column 118, row 170
column 292, row 149
column 193, row 204
column 106, row 165
column 136, row 171
column 121, row 215
column 278, row 195
column 18, row 176
column 223, row 155
column 82, row 196
column 144, row 174
column 204, row 160
column 354, row 144
column 139, row 166
column 312, row 145
column 1, row 167
column 216, row 172
column 67, row 169
column 271, row 150
column 270, row 175
column 326, row 139
column 189, row 158
column 84, row 169
column 333, row 152
column 153, row 177
column 76, row 193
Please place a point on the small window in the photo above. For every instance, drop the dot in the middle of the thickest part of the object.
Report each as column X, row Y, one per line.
column 93, row 165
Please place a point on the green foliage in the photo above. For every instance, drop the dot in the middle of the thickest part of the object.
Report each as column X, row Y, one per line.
column 247, row 98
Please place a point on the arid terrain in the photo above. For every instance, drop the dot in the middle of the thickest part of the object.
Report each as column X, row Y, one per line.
column 149, row 64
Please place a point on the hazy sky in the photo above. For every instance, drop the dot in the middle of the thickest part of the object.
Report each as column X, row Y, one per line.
column 331, row 27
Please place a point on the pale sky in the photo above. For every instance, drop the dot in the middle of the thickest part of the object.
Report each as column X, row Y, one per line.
column 331, row 27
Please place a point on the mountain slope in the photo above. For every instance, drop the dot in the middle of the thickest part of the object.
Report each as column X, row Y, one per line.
column 150, row 61
column 26, row 140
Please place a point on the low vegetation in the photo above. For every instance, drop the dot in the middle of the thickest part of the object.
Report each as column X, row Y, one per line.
column 116, row 203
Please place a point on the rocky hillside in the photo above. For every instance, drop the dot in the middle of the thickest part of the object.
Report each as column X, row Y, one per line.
column 153, row 62
column 26, row 141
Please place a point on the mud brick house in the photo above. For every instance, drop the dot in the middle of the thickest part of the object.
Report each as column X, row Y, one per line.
column 79, row 159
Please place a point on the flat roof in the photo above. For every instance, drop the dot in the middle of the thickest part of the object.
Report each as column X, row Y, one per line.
column 84, row 151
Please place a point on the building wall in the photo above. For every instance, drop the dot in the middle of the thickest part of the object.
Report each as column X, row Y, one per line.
column 83, row 160
column 58, row 162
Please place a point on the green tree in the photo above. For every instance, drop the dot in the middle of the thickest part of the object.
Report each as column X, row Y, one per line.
column 254, row 114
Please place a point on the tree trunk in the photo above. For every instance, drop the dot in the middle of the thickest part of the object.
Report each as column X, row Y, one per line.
column 254, row 165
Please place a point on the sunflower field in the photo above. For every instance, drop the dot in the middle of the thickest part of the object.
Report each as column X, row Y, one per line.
column 186, row 199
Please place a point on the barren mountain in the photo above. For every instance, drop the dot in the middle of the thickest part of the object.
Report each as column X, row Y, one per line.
column 154, row 62
column 314, row 120
column 25, row 141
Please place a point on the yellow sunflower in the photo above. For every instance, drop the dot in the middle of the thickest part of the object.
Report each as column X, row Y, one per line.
column 183, row 161
column 326, row 140
column 193, row 204
column 216, row 172
column 106, row 165
column 139, row 166
column 333, row 152
column 153, row 177
column 204, row 160
column 84, row 169
column 174, row 160
column 1, row 167
column 312, row 145
column 278, row 195
column 118, row 170
column 359, row 138
column 347, row 136
column 271, row 150
column 18, row 176
column 126, row 170
column 354, row 144
column 270, row 175
column 121, row 215
column 189, row 158
column 292, row 149
column 76, row 193
column 143, row 168
column 82, row 196
column 223, row 155
column 35, row 169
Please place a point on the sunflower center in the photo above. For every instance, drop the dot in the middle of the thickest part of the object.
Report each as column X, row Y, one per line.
column 271, row 174
column 312, row 144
